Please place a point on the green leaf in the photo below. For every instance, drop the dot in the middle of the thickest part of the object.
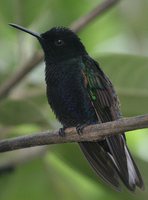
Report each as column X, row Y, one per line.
column 15, row 112
column 69, row 180
column 27, row 182
column 129, row 75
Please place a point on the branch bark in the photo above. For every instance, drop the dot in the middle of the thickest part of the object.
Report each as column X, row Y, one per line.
column 90, row 133
column 76, row 26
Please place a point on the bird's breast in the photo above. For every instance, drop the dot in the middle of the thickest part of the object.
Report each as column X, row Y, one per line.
column 68, row 98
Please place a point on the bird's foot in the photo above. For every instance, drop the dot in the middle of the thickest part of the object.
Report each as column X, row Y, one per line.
column 80, row 127
column 62, row 132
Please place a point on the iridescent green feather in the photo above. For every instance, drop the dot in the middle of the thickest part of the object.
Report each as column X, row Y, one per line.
column 93, row 84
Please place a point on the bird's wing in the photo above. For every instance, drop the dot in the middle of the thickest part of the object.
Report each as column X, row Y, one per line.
column 106, row 105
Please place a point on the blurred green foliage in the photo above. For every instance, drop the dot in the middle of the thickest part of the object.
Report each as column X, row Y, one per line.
column 119, row 41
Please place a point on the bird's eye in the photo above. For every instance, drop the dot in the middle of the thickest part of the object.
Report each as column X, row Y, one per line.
column 59, row 42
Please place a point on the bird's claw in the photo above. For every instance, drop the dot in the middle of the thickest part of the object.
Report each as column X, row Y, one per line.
column 62, row 132
column 79, row 128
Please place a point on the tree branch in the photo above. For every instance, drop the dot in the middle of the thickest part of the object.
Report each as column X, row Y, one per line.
column 12, row 81
column 76, row 26
column 90, row 133
column 97, row 11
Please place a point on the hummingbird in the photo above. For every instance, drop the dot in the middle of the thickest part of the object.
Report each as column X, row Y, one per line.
column 80, row 94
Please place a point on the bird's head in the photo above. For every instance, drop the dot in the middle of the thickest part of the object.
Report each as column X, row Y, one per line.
column 58, row 43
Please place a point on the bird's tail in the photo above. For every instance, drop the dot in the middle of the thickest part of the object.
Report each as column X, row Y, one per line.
column 110, row 168
column 134, row 176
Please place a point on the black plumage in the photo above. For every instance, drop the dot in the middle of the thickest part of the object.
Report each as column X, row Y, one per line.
column 80, row 93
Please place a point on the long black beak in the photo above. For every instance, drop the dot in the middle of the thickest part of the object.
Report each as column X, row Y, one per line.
column 37, row 35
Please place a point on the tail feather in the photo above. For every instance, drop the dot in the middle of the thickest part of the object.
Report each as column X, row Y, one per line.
column 111, row 165
column 100, row 162
column 134, row 174
column 126, row 167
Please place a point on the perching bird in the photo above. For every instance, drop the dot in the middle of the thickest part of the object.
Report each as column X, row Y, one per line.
column 80, row 93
